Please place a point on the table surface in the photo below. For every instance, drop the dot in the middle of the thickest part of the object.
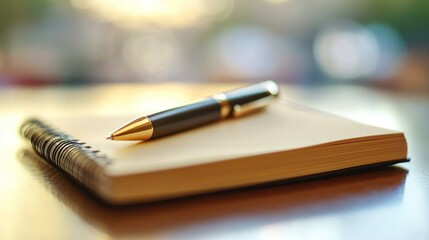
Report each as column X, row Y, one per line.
column 38, row 202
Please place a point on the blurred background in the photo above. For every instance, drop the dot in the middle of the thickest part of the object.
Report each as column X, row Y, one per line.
column 381, row 43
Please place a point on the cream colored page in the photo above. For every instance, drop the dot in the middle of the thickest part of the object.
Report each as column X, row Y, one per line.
column 279, row 127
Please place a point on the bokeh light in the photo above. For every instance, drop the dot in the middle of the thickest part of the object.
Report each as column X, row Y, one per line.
column 247, row 53
column 150, row 55
column 349, row 51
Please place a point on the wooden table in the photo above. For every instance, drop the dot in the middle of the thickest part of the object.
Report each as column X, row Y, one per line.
column 38, row 202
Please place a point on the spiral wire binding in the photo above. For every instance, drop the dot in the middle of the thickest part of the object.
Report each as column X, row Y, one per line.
column 70, row 155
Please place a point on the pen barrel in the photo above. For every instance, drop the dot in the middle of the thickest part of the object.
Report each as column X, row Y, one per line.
column 250, row 98
column 185, row 117
column 249, row 94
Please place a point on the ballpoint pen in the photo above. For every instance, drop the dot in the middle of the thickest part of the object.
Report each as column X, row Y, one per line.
column 220, row 106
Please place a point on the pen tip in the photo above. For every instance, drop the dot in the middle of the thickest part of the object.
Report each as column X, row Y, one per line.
column 110, row 137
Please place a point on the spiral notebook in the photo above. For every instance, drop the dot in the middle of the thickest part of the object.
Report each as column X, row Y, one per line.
column 284, row 142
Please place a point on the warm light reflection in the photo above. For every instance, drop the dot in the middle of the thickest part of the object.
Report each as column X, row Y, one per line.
column 139, row 13
column 10, row 174
column 112, row 100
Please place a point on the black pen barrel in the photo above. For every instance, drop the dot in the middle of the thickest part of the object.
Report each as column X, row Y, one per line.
column 248, row 94
column 186, row 117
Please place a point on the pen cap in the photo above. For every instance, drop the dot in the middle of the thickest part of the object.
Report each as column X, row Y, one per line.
column 250, row 98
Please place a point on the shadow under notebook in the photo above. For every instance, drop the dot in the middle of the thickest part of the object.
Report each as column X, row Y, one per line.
column 340, row 193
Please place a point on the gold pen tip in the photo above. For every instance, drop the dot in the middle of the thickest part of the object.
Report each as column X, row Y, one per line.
column 110, row 137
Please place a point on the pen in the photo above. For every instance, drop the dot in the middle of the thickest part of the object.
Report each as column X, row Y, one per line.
column 220, row 106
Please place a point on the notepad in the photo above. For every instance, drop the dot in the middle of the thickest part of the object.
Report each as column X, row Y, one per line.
column 284, row 142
